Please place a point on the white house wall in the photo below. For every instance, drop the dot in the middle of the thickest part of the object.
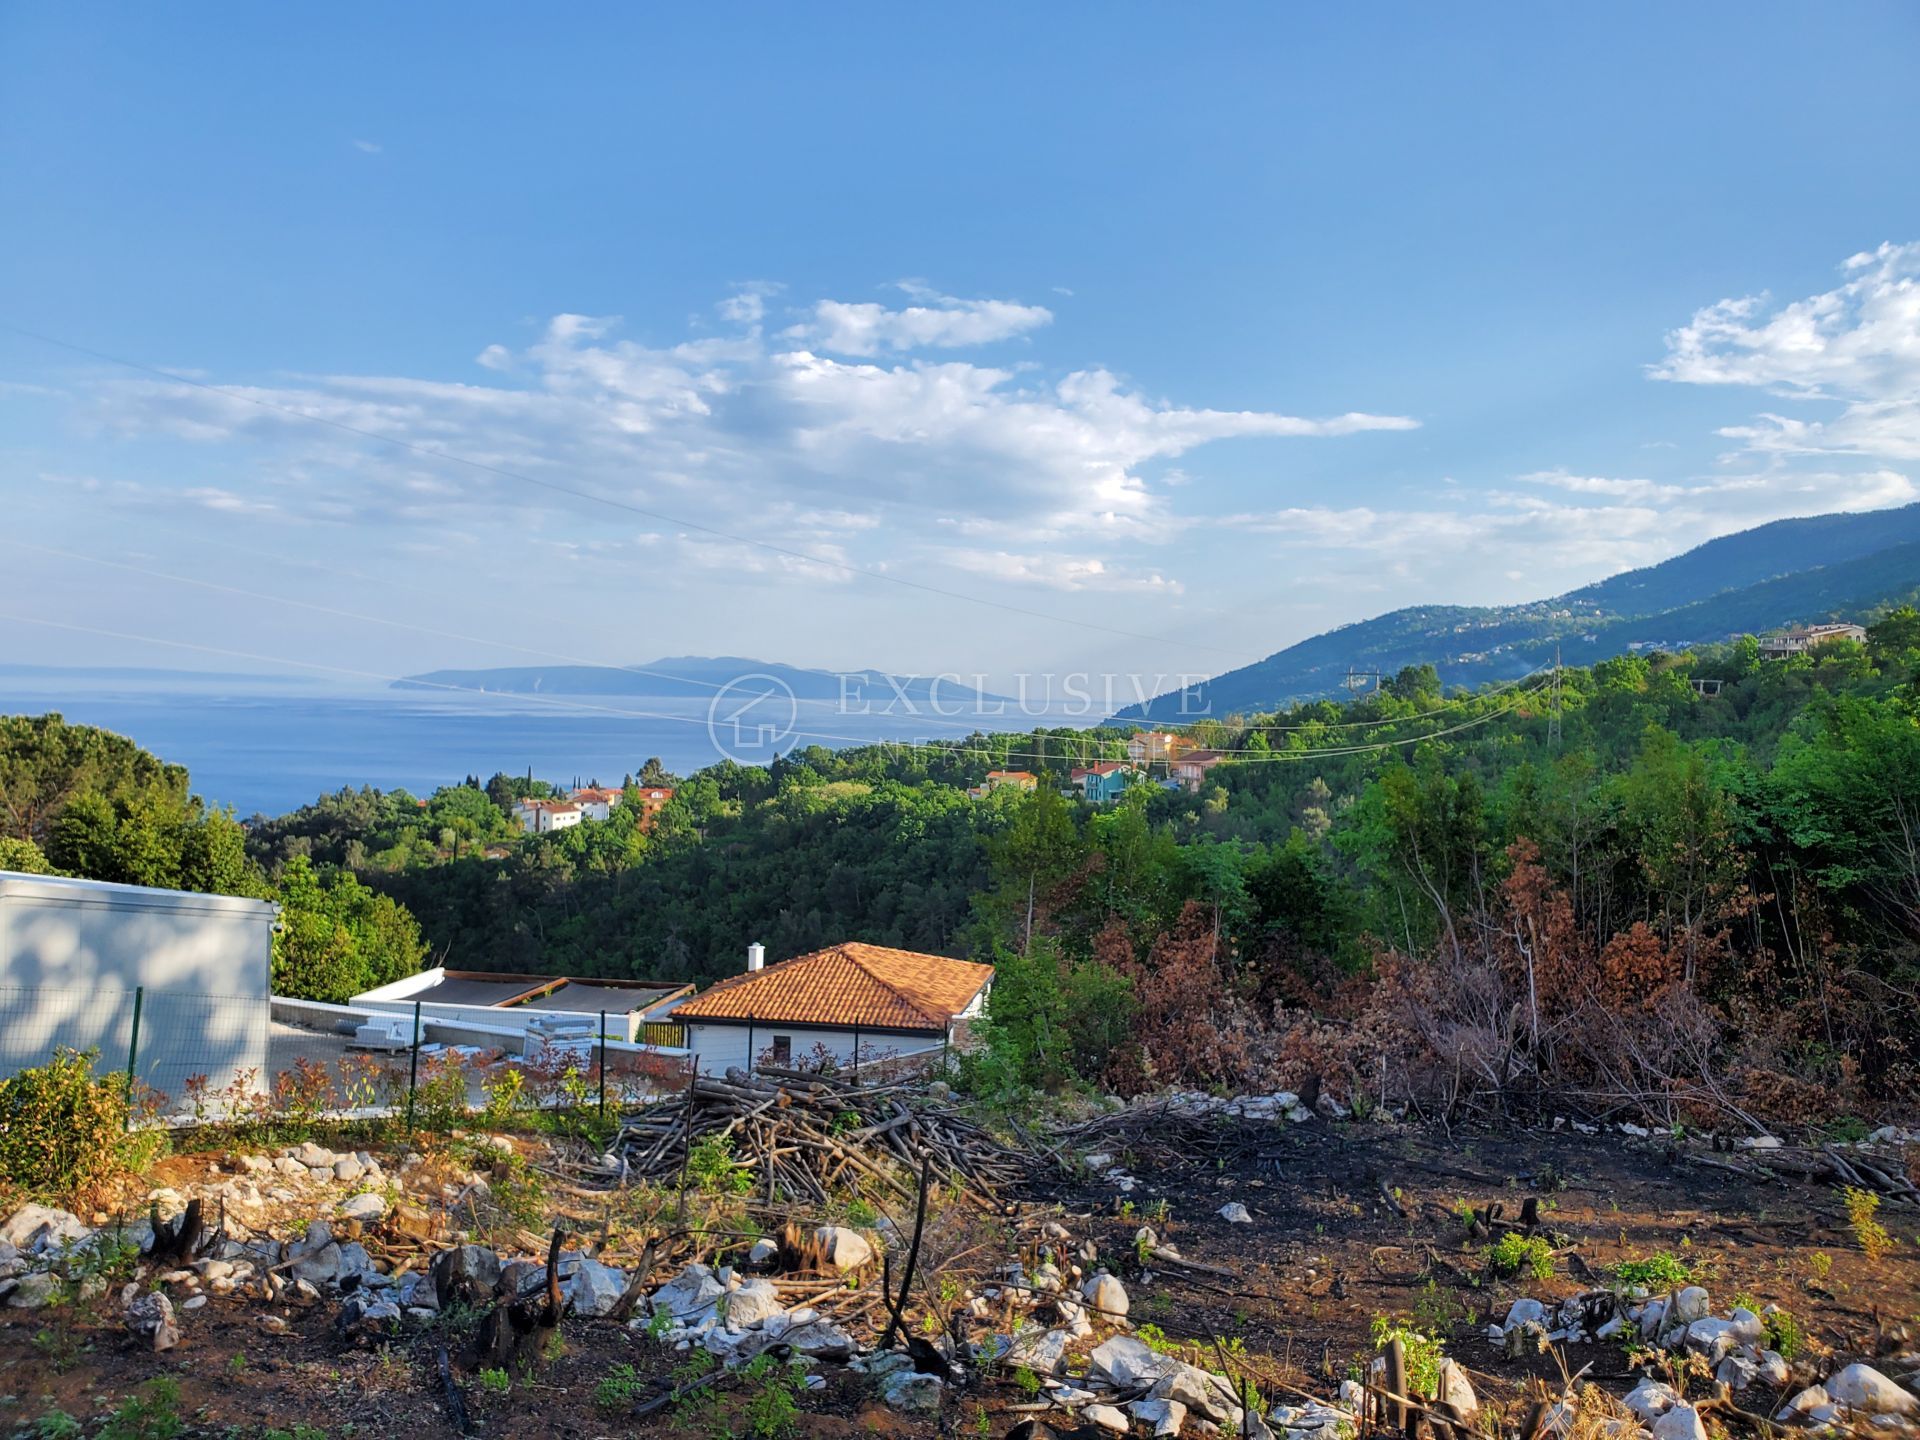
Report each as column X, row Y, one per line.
column 72, row 954
column 720, row 1047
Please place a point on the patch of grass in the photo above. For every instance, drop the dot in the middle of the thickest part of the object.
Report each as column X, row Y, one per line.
column 1784, row 1335
column 1423, row 1349
column 154, row 1414
column 495, row 1381
column 1514, row 1254
column 860, row 1214
column 711, row 1167
column 618, row 1388
column 1662, row 1270
column 771, row 1412
column 1862, row 1207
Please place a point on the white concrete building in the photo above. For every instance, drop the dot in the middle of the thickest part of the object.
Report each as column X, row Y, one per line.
column 597, row 802
column 541, row 817
column 74, row 953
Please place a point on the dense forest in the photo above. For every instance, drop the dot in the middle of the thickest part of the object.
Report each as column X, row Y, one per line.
column 1673, row 885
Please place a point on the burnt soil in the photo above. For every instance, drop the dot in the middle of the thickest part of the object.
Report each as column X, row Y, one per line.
column 1299, row 1289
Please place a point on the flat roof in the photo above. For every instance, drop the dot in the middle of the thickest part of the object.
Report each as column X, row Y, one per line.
column 589, row 996
column 108, row 892
column 501, row 990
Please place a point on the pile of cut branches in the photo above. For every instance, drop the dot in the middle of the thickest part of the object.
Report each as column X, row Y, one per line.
column 800, row 1136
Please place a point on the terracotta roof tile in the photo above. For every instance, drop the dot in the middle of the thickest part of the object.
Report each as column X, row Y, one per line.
column 846, row 985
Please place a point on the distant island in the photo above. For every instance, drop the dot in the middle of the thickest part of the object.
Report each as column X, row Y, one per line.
column 701, row 676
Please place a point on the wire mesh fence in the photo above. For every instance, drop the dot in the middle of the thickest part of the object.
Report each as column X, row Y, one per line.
column 188, row 1058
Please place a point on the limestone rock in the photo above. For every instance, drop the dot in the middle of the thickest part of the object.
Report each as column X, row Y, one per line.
column 754, row 1302
column 369, row 1207
column 912, row 1393
column 1106, row 1296
column 1234, row 1213
column 763, row 1252
column 37, row 1229
column 34, row 1292
column 366, row 1320
column 466, row 1272
column 691, row 1296
column 595, row 1288
column 1689, row 1305
column 1456, row 1389
column 1041, row 1351
column 1165, row 1417
column 1682, row 1422
column 842, row 1248
column 1107, row 1418
column 149, row 1319
column 1863, row 1388
column 1127, row 1364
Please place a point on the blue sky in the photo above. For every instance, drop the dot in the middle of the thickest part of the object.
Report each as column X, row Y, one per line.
column 1212, row 326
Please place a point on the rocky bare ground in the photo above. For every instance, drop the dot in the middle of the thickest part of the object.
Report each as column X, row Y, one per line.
column 1169, row 1264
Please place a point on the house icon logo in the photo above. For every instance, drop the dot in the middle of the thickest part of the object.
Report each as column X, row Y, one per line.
column 751, row 717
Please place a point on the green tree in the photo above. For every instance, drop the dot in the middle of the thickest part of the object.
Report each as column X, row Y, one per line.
column 23, row 857
column 337, row 938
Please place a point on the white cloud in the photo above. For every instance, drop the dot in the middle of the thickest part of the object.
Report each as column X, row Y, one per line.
column 1059, row 572
column 1857, row 346
column 942, row 322
column 367, row 147
column 1630, row 522
column 732, row 431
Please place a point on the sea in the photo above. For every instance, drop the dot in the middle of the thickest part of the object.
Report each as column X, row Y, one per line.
column 262, row 747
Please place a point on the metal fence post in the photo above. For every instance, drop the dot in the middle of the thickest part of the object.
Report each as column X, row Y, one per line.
column 856, row 1049
column 749, row 1044
column 133, row 1048
column 413, row 1065
column 603, row 1064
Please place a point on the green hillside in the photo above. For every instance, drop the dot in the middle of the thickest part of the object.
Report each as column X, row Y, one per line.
column 1822, row 567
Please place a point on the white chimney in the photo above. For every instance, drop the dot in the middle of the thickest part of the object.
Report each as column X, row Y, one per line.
column 756, row 956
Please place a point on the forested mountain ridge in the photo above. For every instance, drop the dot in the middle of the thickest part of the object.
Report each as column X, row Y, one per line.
column 1736, row 584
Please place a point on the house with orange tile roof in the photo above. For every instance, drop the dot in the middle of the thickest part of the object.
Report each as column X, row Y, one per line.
column 855, row 1004
column 1005, row 780
column 1156, row 747
column 1191, row 768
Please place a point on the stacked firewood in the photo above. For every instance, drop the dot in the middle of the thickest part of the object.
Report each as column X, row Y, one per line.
column 801, row 1136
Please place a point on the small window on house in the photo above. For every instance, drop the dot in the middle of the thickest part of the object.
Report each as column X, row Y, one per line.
column 783, row 1049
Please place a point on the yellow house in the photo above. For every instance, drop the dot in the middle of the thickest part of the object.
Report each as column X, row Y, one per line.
column 1004, row 780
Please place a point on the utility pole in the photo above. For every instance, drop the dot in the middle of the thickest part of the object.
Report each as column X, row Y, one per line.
column 1553, row 719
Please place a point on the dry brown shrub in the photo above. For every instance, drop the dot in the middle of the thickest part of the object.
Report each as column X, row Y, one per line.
column 1193, row 1027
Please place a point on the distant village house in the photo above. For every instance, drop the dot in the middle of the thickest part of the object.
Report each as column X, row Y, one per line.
column 1191, row 768
column 1155, row 747
column 1104, row 781
column 1801, row 638
column 542, row 817
column 1004, row 780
